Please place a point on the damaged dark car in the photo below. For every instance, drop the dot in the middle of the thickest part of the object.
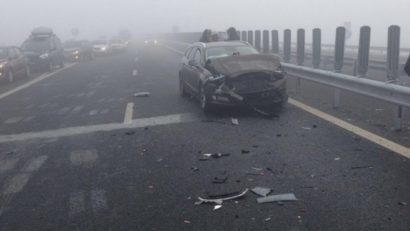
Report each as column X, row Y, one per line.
column 232, row 74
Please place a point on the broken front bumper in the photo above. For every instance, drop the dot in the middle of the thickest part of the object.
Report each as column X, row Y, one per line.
column 266, row 97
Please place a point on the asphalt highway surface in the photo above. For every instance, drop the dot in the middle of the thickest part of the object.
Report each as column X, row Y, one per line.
column 78, row 151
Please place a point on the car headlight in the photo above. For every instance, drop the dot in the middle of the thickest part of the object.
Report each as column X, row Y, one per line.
column 76, row 52
column 146, row 41
column 103, row 48
column 44, row 56
column 155, row 42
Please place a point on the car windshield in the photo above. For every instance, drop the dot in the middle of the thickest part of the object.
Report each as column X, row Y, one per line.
column 39, row 45
column 3, row 53
column 220, row 52
column 72, row 44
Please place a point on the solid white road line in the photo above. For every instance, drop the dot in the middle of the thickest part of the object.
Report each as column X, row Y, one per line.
column 72, row 131
column 397, row 148
column 129, row 111
column 83, row 157
column 36, row 80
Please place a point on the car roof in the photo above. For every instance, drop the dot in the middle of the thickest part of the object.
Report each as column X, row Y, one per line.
column 221, row 44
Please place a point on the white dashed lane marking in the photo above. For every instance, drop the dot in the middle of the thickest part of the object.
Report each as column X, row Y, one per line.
column 13, row 120
column 77, row 109
column 98, row 200
column 83, row 157
column 129, row 111
column 93, row 112
column 76, row 203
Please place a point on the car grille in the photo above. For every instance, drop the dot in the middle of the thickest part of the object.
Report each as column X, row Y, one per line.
column 251, row 83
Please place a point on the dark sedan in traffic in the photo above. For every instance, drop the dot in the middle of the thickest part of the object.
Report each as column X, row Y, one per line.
column 13, row 63
column 232, row 73
column 75, row 51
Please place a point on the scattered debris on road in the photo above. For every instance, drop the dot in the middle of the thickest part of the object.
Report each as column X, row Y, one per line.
column 130, row 133
column 362, row 167
column 234, row 121
column 307, row 128
column 219, row 199
column 402, row 203
column 261, row 191
column 268, row 219
column 216, row 207
column 219, row 180
column 187, row 221
column 277, row 198
column 216, row 155
column 195, row 169
column 245, row 151
column 142, row 94
column 337, row 158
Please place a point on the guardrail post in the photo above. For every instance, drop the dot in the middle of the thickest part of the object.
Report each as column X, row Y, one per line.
column 316, row 47
column 287, row 45
column 258, row 40
column 393, row 58
column 244, row 36
column 275, row 42
column 239, row 34
column 364, row 49
column 250, row 37
column 339, row 58
column 265, row 44
column 300, row 48
column 393, row 53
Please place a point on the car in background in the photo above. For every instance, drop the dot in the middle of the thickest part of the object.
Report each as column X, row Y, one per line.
column 43, row 49
column 117, row 45
column 75, row 51
column 232, row 74
column 13, row 63
column 151, row 42
column 101, row 47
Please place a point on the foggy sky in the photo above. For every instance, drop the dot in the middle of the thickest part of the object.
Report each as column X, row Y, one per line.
column 96, row 18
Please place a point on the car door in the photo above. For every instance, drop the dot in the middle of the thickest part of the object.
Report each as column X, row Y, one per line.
column 53, row 53
column 194, row 69
column 20, row 61
column 183, row 72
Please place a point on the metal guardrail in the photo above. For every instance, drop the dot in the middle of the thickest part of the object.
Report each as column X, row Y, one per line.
column 389, row 92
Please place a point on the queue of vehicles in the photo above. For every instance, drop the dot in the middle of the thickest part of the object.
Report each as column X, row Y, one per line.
column 43, row 51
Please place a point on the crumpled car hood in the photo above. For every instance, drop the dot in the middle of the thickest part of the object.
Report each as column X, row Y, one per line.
column 234, row 66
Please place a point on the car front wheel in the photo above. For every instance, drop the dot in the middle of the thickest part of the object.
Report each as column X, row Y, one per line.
column 182, row 90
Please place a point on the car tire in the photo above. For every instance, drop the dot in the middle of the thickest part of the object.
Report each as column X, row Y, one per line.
column 182, row 89
column 206, row 106
column 10, row 76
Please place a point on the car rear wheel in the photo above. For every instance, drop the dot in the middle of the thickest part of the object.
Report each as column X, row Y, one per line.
column 182, row 90
column 10, row 76
column 203, row 100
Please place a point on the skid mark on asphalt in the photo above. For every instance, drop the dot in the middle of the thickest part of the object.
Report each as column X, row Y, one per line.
column 84, row 158
column 19, row 181
column 78, row 201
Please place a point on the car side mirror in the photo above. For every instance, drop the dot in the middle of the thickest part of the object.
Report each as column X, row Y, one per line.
column 193, row 63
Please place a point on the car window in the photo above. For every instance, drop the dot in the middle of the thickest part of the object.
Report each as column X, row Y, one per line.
column 219, row 52
column 188, row 52
column 197, row 56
